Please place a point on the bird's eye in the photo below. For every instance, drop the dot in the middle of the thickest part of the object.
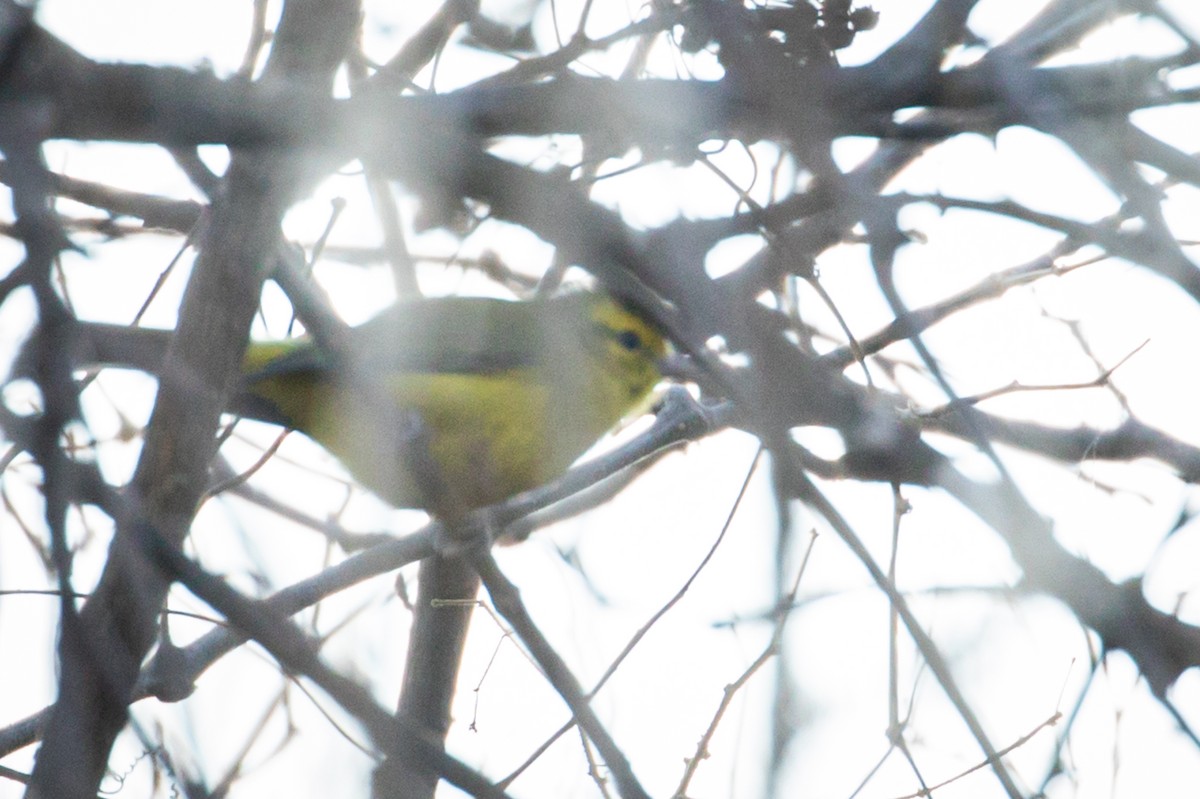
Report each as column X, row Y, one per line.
column 629, row 339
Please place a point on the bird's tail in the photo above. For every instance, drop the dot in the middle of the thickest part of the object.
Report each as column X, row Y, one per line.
column 94, row 344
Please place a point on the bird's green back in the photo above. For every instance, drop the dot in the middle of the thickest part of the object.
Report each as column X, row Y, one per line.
column 470, row 400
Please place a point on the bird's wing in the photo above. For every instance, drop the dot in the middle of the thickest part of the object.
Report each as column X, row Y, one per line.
column 474, row 335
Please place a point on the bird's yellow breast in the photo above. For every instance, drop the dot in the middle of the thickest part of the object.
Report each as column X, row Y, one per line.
column 463, row 439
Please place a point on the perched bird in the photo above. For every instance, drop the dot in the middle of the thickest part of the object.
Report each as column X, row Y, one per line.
column 441, row 403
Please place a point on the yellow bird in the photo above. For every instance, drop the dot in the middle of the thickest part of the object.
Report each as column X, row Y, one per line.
column 467, row 402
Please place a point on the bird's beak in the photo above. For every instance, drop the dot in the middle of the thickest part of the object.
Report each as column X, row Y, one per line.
column 677, row 366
